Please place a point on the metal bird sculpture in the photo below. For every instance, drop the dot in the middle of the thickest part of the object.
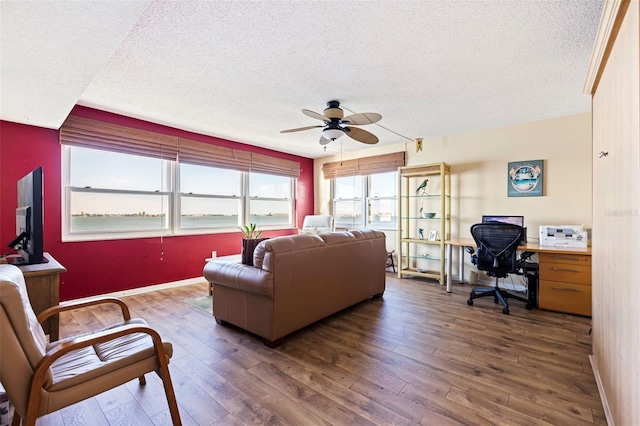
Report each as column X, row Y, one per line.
column 423, row 187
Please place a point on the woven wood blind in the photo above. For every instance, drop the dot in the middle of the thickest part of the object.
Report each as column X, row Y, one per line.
column 204, row 154
column 87, row 133
column 261, row 163
column 364, row 166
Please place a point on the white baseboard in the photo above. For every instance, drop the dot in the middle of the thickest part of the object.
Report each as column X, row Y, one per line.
column 147, row 289
column 603, row 395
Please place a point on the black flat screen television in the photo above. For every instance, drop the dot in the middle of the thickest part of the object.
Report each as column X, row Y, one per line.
column 29, row 241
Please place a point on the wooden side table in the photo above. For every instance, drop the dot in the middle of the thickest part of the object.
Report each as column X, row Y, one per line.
column 43, row 288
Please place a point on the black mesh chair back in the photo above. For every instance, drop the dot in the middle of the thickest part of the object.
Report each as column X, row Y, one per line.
column 497, row 247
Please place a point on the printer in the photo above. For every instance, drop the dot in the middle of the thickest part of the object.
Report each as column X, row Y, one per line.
column 563, row 236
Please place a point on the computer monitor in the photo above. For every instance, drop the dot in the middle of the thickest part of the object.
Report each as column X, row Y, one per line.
column 515, row 220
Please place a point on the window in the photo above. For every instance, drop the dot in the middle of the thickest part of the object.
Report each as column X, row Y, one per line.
column 110, row 195
column 348, row 209
column 383, row 200
column 109, row 192
column 270, row 199
column 209, row 197
column 380, row 192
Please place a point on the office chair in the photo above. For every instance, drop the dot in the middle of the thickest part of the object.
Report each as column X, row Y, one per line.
column 497, row 255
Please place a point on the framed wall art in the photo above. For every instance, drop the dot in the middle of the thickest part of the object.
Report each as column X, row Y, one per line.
column 524, row 178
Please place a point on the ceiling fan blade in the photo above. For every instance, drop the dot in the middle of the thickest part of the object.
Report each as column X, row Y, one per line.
column 299, row 129
column 361, row 135
column 324, row 141
column 315, row 115
column 362, row 118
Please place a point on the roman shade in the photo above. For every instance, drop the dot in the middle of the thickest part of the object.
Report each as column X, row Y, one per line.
column 88, row 133
column 204, row 154
column 364, row 166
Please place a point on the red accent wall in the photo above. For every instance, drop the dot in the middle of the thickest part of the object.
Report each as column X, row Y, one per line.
column 97, row 267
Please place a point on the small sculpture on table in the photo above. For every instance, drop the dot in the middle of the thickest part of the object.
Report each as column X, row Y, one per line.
column 421, row 233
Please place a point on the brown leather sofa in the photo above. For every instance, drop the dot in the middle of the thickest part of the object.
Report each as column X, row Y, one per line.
column 298, row 280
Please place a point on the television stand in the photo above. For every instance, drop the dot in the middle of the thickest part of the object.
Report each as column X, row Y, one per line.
column 43, row 288
column 19, row 261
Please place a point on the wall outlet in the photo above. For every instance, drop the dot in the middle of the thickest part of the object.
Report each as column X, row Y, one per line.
column 214, row 254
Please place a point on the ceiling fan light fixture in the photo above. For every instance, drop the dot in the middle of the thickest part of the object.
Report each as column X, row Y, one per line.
column 332, row 134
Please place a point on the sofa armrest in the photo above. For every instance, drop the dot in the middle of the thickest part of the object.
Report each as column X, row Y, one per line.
column 241, row 277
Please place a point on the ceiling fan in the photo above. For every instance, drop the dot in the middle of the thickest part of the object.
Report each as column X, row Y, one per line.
column 336, row 124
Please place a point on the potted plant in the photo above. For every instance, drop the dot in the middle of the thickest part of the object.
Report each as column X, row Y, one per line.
column 250, row 242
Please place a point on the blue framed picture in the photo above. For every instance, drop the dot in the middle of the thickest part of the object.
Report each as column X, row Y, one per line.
column 525, row 178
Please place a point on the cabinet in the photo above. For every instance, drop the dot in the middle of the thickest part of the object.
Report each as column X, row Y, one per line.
column 43, row 288
column 421, row 247
column 565, row 283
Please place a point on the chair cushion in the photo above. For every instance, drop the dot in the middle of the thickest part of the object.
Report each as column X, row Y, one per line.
column 88, row 363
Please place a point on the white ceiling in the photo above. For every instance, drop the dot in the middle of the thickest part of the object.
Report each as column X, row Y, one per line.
column 243, row 70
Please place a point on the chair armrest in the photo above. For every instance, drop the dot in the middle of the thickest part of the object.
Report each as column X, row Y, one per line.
column 66, row 306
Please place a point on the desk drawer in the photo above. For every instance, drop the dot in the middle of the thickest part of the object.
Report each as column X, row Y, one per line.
column 565, row 273
column 566, row 258
column 565, row 297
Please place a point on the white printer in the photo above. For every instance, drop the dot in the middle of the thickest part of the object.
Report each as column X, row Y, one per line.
column 563, row 236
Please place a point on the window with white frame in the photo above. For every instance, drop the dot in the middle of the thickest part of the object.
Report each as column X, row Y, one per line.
column 382, row 200
column 270, row 199
column 110, row 195
column 366, row 201
column 210, row 197
column 348, row 206
column 108, row 191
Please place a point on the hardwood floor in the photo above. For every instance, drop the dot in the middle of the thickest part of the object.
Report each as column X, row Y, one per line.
column 416, row 356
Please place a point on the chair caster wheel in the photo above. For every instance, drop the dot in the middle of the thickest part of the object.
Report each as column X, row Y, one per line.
column 528, row 306
column 470, row 302
column 505, row 311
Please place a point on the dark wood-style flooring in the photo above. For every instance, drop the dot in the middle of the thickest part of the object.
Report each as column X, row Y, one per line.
column 416, row 356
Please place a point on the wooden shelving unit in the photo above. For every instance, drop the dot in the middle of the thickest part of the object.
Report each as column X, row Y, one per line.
column 418, row 253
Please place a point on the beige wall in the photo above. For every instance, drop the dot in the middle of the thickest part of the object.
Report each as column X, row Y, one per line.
column 479, row 172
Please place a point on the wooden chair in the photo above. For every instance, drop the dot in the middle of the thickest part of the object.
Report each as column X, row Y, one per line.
column 41, row 377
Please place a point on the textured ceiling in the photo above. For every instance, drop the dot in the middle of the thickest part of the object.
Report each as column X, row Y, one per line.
column 243, row 70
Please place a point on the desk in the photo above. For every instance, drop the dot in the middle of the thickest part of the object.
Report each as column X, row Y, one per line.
column 43, row 287
column 554, row 265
